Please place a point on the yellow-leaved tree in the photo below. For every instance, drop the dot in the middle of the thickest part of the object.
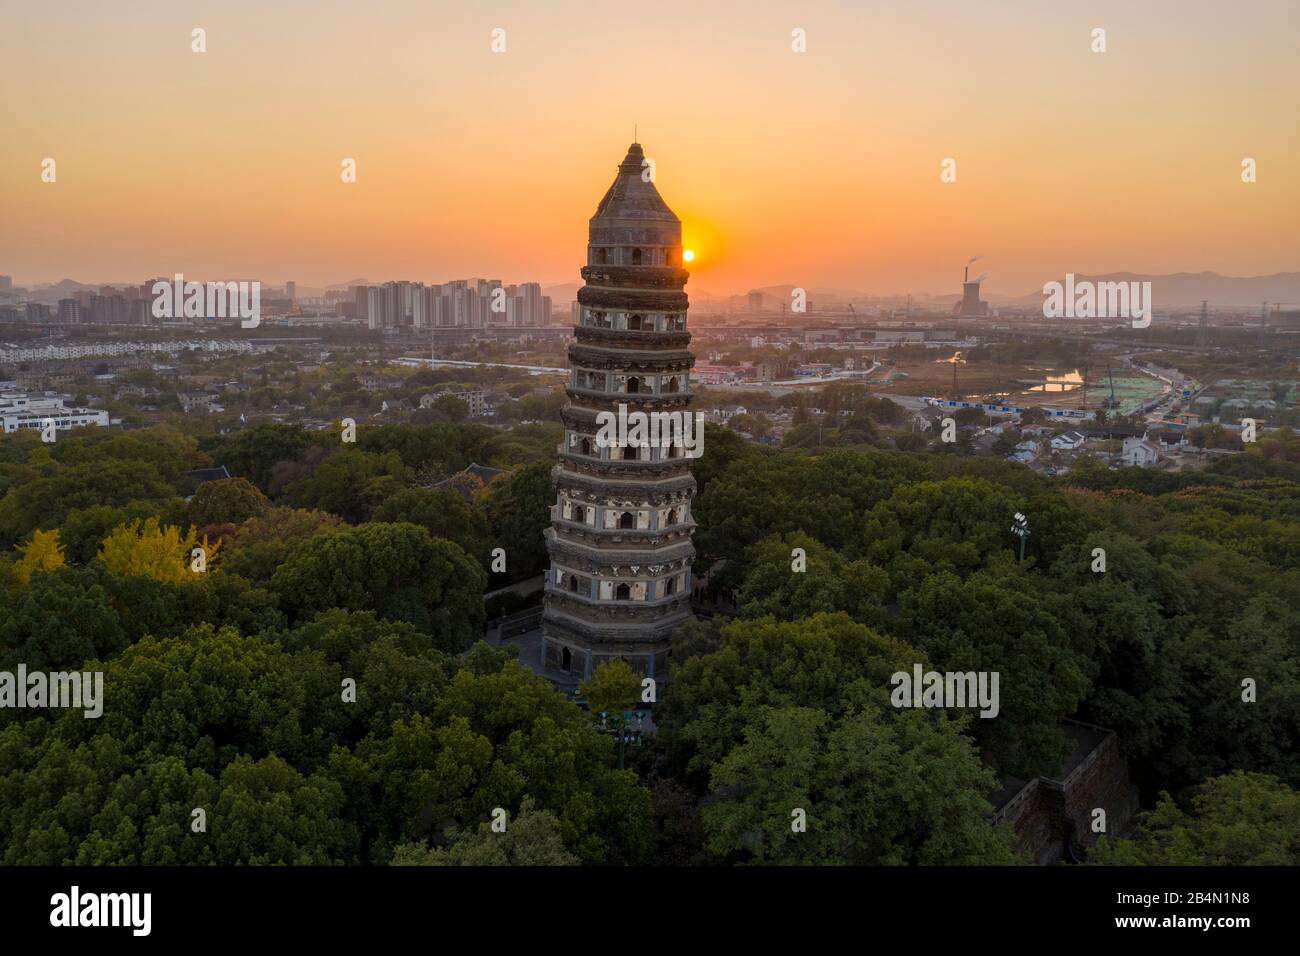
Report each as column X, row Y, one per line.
column 42, row 553
column 143, row 549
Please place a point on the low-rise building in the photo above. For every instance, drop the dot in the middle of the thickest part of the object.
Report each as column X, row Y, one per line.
column 196, row 401
column 395, row 405
column 1168, row 438
column 474, row 398
column 725, row 413
column 713, row 374
column 19, row 411
column 1025, row 452
column 1068, row 441
column 1139, row 452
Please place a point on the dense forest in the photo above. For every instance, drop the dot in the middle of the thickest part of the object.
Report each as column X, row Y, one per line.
column 329, row 565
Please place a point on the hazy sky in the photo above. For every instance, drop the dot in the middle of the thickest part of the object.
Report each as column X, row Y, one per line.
column 818, row 169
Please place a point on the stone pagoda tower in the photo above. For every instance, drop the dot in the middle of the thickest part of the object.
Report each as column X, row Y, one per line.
column 620, row 537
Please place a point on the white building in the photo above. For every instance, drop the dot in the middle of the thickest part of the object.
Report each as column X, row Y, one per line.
column 1068, row 441
column 1139, row 452
column 80, row 350
column 196, row 401
column 726, row 413
column 475, row 398
column 21, row 411
column 713, row 374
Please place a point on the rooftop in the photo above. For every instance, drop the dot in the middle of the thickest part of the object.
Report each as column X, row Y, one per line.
column 631, row 196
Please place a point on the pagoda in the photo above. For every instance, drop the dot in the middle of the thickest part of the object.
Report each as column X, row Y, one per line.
column 619, row 581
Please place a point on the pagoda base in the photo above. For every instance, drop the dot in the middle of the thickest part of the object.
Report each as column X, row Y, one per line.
column 569, row 645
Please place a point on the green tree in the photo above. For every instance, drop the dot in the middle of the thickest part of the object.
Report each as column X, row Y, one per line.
column 827, row 583
column 434, row 451
column 796, row 715
column 494, row 738
column 253, row 452
column 257, row 547
column 397, row 570
column 1240, row 819
column 518, row 509
column 1221, row 731
column 350, row 483
column 955, row 524
column 999, row 622
column 722, row 448
column 59, row 621
column 824, row 496
column 612, row 688
column 802, row 787
column 46, row 502
column 85, row 529
column 444, row 514
column 531, row 838
column 210, row 720
column 228, row 501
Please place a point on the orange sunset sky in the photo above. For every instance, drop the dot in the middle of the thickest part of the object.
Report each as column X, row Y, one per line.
column 819, row 169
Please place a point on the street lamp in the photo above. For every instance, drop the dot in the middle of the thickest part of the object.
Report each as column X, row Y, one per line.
column 1020, row 528
column 622, row 725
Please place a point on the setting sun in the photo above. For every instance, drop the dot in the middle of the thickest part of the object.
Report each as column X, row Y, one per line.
column 688, row 255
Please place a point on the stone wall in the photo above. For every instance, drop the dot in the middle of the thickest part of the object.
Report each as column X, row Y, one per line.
column 1052, row 818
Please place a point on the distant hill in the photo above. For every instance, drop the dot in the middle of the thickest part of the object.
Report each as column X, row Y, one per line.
column 66, row 287
column 561, row 295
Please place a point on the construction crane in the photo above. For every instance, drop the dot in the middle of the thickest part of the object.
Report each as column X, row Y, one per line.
column 1112, row 401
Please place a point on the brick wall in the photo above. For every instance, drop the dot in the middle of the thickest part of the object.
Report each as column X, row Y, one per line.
column 1049, row 817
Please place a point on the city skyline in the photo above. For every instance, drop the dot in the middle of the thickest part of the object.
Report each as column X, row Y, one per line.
column 820, row 169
